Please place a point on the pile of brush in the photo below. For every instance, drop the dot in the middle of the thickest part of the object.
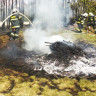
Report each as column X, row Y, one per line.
column 65, row 50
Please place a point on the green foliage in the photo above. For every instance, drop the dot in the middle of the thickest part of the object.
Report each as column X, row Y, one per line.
column 92, row 7
column 82, row 6
column 74, row 6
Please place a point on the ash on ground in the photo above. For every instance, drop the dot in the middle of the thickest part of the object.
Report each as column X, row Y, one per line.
column 67, row 59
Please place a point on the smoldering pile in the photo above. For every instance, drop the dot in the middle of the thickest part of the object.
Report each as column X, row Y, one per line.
column 60, row 58
column 68, row 59
column 65, row 51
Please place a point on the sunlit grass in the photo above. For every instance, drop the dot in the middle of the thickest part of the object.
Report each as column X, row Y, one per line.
column 89, row 38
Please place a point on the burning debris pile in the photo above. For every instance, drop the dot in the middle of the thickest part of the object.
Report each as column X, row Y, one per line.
column 70, row 59
column 61, row 57
column 65, row 51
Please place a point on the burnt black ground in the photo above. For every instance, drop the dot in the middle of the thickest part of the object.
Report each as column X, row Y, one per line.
column 13, row 56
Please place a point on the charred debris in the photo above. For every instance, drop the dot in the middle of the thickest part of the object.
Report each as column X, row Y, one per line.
column 65, row 51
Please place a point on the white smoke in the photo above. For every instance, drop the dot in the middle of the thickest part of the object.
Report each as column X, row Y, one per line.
column 48, row 19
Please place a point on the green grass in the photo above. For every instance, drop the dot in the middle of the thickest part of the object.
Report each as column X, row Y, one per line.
column 88, row 38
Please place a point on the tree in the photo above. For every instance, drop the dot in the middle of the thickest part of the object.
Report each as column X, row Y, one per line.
column 82, row 6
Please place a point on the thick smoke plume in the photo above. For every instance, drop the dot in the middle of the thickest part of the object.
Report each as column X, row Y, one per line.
column 49, row 19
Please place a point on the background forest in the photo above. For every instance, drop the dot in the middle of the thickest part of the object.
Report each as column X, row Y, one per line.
column 82, row 6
